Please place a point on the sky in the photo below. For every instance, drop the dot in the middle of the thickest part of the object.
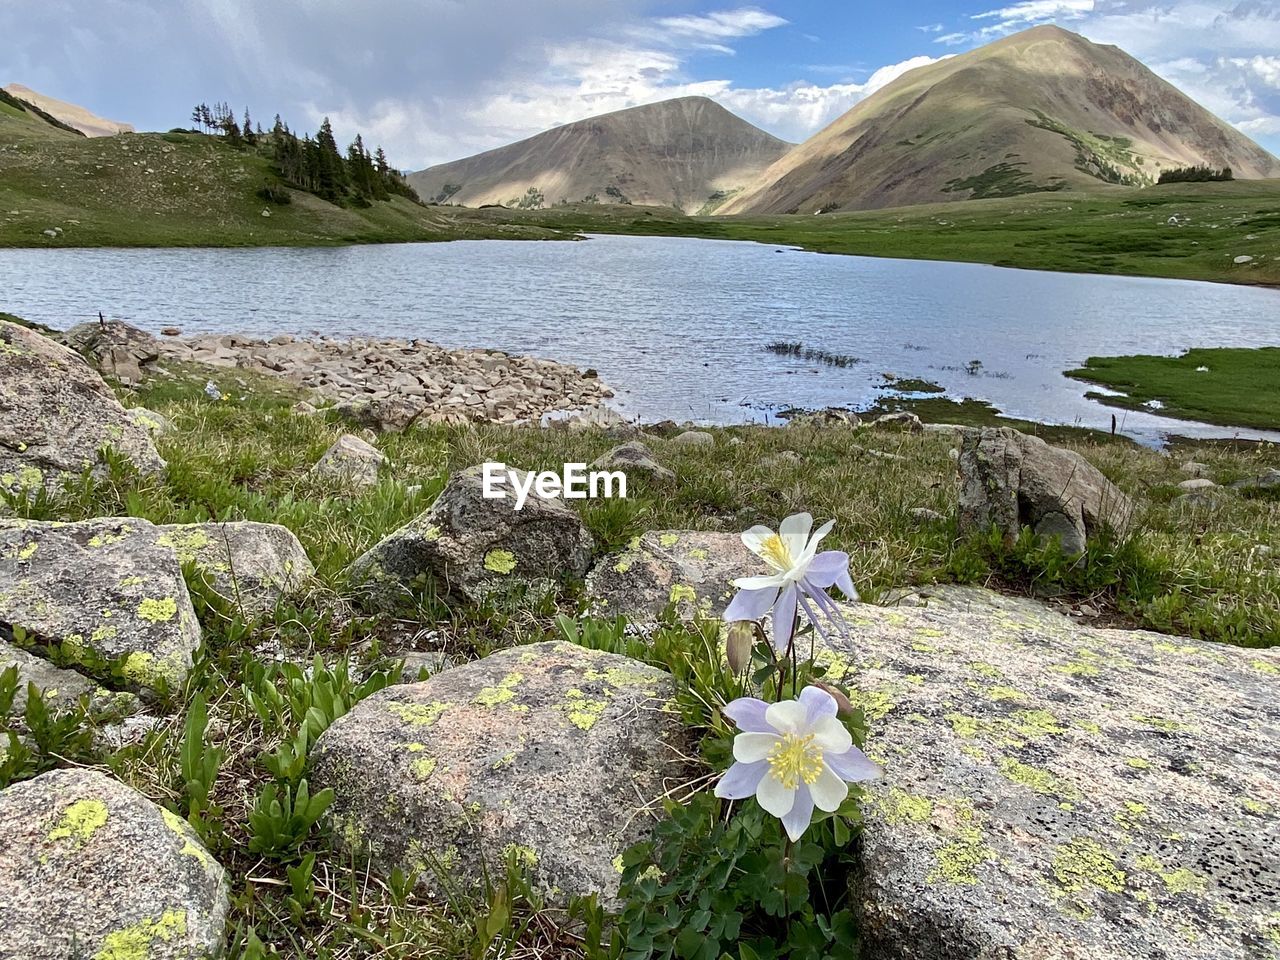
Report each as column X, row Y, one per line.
column 436, row 80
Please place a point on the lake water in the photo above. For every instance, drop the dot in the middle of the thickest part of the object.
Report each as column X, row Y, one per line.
column 678, row 327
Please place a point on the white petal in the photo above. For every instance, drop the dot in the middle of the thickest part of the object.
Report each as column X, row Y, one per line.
column 776, row 798
column 811, row 548
column 797, row 820
column 762, row 582
column 751, row 747
column 794, row 531
column 828, row 790
column 754, row 538
column 830, row 734
column 787, row 716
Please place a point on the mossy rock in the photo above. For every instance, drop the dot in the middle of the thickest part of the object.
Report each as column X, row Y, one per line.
column 1058, row 791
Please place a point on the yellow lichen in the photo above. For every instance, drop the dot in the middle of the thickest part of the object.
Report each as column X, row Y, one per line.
column 80, row 821
column 1131, row 814
column 1034, row 724
column 186, row 543
column 1183, row 880
column 623, row 565
column 500, row 561
column 158, row 611
column 144, row 670
column 583, row 712
column 1036, row 778
column 899, row 806
column 524, row 856
column 423, row 767
column 668, row 540
column 1084, row 863
column 184, row 833
column 961, row 856
column 682, row 591
column 418, row 714
column 503, row 692
column 134, row 942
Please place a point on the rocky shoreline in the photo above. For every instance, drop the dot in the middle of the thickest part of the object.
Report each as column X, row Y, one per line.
column 398, row 381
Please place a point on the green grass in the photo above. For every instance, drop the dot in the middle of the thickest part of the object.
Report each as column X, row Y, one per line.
column 248, row 456
column 1114, row 230
column 187, row 189
column 184, row 189
column 1232, row 386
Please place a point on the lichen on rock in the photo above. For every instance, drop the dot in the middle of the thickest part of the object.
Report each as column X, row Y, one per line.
column 552, row 751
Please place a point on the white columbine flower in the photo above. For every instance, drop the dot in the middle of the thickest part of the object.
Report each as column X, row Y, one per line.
column 792, row 756
column 801, row 576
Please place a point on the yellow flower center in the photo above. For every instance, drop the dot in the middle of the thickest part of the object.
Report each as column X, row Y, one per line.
column 774, row 549
column 794, row 759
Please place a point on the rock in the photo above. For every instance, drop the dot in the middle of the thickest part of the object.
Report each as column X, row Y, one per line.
column 694, row 438
column 690, row 568
column 1058, row 791
column 1199, row 500
column 1267, row 481
column 1199, row 483
column 945, row 429
column 1243, row 258
column 93, row 869
column 171, row 332
column 107, row 593
column 551, row 751
column 923, row 516
column 822, row 419
column 253, row 566
column 390, row 415
column 117, row 349
column 635, row 457
column 472, row 545
column 351, row 462
column 1194, row 469
column 902, row 420
column 1012, row 480
column 156, row 424
column 58, row 686
column 56, row 414
column 304, row 409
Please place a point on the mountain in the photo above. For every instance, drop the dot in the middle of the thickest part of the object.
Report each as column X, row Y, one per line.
column 90, row 124
column 686, row 153
column 1044, row 109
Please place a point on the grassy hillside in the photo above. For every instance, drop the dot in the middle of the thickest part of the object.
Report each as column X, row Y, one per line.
column 1116, row 230
column 185, row 189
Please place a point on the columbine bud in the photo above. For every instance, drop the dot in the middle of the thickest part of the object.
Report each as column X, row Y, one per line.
column 844, row 706
column 737, row 648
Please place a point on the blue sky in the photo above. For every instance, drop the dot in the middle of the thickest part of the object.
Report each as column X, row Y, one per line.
column 434, row 80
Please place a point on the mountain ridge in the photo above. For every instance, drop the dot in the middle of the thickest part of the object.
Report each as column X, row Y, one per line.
column 688, row 152
column 82, row 119
column 1040, row 110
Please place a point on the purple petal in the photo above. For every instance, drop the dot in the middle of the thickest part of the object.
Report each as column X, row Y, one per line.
column 826, row 568
column 828, row 607
column 845, row 583
column 818, row 703
column 853, row 766
column 741, row 780
column 813, row 617
column 750, row 604
column 748, row 714
column 797, row 821
column 784, row 618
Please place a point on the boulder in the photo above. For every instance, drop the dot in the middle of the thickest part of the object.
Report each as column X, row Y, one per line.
column 821, row 419
column 388, row 415
column 1011, row 480
column 1054, row 791
column 56, row 416
column 902, row 421
column 350, row 462
column 116, row 348
column 1194, row 469
column 695, row 438
column 1197, row 483
column 1264, row 482
column 107, row 594
column 552, row 752
column 251, row 565
column 93, row 869
column 689, row 568
column 634, row 458
column 58, row 687
column 472, row 545
column 924, row 516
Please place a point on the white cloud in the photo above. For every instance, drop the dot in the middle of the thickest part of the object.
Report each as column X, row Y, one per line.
column 726, row 24
column 1038, row 11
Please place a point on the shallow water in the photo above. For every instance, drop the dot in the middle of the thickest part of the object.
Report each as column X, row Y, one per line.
column 677, row 326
